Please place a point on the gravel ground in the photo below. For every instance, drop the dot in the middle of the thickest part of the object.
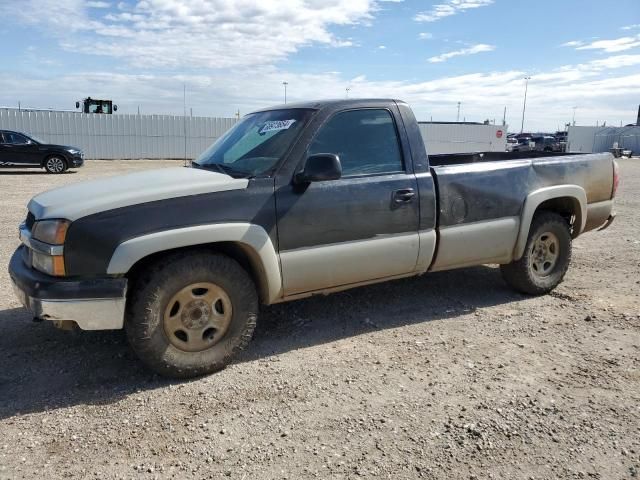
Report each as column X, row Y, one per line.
column 449, row 376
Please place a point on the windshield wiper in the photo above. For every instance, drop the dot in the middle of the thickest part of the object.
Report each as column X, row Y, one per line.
column 226, row 169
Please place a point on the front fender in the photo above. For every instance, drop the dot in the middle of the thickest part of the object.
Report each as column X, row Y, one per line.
column 252, row 236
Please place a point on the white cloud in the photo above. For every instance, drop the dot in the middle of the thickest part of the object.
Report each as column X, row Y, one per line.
column 195, row 33
column 630, row 27
column 481, row 47
column 425, row 36
column 615, row 45
column 573, row 43
column 449, row 8
column 381, row 47
column 616, row 61
column 611, row 96
column 609, row 46
column 97, row 4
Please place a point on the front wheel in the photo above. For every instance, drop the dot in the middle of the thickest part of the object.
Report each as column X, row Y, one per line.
column 55, row 165
column 190, row 313
column 546, row 256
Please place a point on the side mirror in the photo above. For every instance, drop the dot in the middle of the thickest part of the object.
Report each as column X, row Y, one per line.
column 77, row 104
column 320, row 167
column 115, row 108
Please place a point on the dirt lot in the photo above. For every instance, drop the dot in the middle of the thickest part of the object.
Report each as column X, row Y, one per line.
column 448, row 376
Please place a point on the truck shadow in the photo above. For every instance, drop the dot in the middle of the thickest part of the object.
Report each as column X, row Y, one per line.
column 46, row 369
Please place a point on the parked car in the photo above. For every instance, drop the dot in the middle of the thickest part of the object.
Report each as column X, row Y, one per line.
column 22, row 150
column 294, row 201
column 523, row 145
column 511, row 142
column 546, row 143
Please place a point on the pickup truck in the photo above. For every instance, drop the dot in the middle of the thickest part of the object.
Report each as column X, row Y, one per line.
column 293, row 201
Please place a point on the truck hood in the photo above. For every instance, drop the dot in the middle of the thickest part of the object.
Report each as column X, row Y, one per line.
column 76, row 201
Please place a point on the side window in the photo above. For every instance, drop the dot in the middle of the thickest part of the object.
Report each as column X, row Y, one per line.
column 366, row 142
column 1, row 138
column 15, row 138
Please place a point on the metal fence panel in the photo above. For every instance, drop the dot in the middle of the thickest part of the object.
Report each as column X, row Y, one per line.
column 163, row 136
column 120, row 136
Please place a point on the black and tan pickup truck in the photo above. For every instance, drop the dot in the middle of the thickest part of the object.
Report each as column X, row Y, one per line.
column 294, row 201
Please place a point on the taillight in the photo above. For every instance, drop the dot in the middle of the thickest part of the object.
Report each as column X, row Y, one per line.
column 616, row 179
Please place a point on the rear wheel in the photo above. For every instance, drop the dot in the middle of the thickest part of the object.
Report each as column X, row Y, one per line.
column 55, row 164
column 546, row 257
column 190, row 313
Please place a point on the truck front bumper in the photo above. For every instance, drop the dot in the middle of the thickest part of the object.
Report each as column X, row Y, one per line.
column 94, row 304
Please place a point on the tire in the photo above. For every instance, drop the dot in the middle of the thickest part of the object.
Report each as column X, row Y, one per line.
column 215, row 316
column 55, row 164
column 536, row 273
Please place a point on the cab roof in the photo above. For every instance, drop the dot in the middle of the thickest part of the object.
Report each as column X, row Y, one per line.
column 334, row 104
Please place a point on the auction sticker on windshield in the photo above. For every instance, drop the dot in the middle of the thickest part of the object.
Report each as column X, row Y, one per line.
column 275, row 125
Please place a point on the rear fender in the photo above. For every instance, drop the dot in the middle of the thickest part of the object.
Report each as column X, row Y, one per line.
column 536, row 198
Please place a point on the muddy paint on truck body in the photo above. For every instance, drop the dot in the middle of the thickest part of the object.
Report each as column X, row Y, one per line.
column 496, row 189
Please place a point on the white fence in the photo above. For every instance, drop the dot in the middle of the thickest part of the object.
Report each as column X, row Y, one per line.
column 120, row 136
column 601, row 139
column 463, row 137
column 163, row 136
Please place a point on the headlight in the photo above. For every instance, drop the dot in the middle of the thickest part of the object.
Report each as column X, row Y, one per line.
column 52, row 232
column 46, row 255
column 73, row 151
column 49, row 264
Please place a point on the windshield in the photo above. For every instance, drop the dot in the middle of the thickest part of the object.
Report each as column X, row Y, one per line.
column 255, row 145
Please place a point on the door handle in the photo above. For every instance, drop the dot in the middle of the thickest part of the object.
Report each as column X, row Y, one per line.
column 404, row 195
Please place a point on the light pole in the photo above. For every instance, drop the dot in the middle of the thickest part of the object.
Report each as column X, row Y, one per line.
column 573, row 121
column 524, row 105
column 285, row 91
column 458, row 115
column 347, row 90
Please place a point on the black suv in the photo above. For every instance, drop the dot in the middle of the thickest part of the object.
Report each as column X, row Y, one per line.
column 20, row 150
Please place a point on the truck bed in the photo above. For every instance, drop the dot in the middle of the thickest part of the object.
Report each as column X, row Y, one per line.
column 481, row 197
column 475, row 157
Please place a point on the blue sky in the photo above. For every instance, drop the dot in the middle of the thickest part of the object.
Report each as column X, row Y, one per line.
column 235, row 55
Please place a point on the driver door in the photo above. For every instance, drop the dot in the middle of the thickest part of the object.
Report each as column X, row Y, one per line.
column 359, row 228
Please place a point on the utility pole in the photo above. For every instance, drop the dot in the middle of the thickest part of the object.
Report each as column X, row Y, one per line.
column 458, row 115
column 184, row 119
column 573, row 121
column 285, row 91
column 524, row 105
column 504, row 116
column 347, row 90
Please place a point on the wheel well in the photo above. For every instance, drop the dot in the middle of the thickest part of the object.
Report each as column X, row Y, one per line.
column 567, row 207
column 241, row 253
